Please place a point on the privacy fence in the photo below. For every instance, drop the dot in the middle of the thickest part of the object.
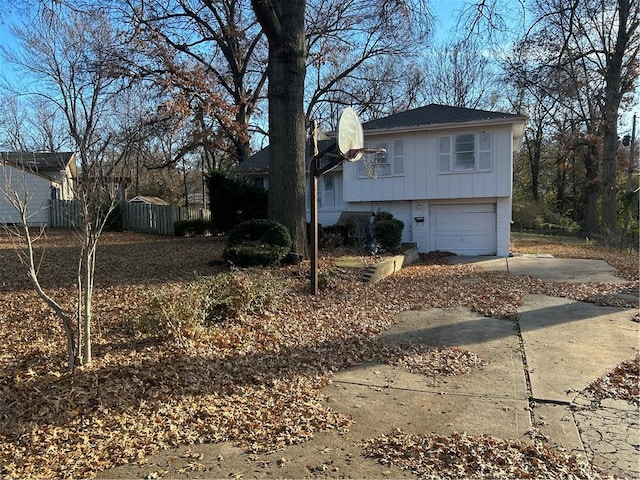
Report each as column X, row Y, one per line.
column 134, row 217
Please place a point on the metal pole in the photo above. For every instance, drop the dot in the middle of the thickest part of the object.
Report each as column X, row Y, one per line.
column 314, row 231
column 313, row 197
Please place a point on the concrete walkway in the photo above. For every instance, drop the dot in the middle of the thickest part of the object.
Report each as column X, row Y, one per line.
column 569, row 344
column 529, row 386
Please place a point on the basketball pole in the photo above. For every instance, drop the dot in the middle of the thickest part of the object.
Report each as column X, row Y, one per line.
column 313, row 194
column 348, row 146
column 315, row 172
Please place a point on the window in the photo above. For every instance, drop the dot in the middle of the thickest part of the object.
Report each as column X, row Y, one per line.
column 398, row 157
column 326, row 197
column 390, row 164
column 468, row 152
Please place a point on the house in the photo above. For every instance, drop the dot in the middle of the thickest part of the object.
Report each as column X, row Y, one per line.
column 35, row 178
column 447, row 175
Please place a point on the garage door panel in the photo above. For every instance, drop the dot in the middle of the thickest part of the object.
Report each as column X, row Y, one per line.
column 464, row 229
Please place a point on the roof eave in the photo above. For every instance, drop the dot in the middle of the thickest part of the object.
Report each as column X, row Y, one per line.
column 445, row 126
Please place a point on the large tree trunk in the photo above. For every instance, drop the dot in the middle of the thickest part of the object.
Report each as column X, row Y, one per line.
column 283, row 22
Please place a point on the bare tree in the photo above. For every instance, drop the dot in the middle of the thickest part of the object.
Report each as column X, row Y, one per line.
column 584, row 57
column 360, row 52
column 459, row 74
column 70, row 57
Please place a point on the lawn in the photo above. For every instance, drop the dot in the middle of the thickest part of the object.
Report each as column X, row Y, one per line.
column 254, row 378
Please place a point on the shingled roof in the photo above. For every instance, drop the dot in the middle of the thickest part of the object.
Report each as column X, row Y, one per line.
column 258, row 163
column 434, row 114
column 38, row 161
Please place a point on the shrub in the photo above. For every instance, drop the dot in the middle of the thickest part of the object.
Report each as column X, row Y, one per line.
column 332, row 237
column 387, row 230
column 183, row 313
column 233, row 201
column 528, row 214
column 114, row 219
column 188, row 228
column 257, row 242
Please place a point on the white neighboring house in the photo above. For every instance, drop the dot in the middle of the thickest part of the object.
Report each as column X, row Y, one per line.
column 447, row 175
column 35, row 178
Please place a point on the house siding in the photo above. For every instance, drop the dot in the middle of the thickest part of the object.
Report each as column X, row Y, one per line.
column 35, row 188
column 421, row 180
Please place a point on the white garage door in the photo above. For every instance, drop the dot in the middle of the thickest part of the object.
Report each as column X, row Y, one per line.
column 463, row 229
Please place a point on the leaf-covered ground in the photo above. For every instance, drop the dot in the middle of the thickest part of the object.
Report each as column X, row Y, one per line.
column 622, row 383
column 255, row 380
column 462, row 456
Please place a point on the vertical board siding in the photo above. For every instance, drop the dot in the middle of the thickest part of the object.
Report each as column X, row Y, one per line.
column 136, row 217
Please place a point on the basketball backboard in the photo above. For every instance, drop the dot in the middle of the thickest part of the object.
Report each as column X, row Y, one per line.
column 350, row 135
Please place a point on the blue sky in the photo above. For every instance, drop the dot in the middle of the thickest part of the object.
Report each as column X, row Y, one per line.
column 446, row 14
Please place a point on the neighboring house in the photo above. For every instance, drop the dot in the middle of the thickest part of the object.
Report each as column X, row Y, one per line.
column 447, row 175
column 149, row 200
column 35, row 178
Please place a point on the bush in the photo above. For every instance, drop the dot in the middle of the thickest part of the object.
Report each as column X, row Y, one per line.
column 233, row 201
column 532, row 215
column 188, row 228
column 387, row 230
column 257, row 242
column 114, row 219
column 332, row 237
column 184, row 313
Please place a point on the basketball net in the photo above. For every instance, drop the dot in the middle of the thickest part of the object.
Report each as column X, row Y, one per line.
column 372, row 157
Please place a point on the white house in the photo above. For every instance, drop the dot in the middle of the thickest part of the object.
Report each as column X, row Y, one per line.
column 35, row 178
column 447, row 175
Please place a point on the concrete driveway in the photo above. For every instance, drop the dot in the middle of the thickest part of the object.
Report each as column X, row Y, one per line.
column 545, row 267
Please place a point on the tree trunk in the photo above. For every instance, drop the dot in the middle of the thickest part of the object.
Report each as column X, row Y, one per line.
column 613, row 96
column 591, row 191
column 243, row 147
column 534, row 149
column 283, row 22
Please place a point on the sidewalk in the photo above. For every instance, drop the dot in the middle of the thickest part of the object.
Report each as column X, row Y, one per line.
column 535, row 369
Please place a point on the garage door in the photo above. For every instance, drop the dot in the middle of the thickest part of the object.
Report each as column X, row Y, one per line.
column 463, row 229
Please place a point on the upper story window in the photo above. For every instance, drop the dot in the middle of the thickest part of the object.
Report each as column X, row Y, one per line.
column 392, row 164
column 467, row 152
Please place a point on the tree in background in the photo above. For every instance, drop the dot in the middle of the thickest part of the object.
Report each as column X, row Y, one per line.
column 359, row 54
column 580, row 60
column 207, row 60
column 459, row 74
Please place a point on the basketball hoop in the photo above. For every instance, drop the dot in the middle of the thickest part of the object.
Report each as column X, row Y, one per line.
column 350, row 136
column 372, row 157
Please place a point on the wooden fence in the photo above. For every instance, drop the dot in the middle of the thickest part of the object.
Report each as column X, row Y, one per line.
column 136, row 217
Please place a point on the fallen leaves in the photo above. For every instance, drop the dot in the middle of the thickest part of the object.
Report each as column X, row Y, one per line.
column 428, row 360
column 622, row 383
column 254, row 380
column 472, row 456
